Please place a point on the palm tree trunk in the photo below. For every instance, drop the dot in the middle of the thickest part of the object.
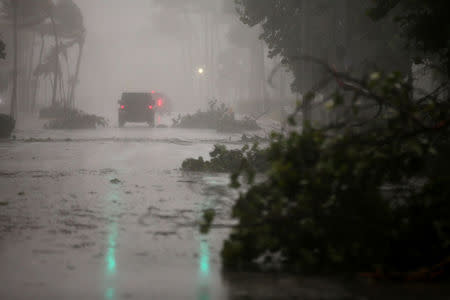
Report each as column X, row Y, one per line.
column 15, row 47
column 55, row 78
column 36, row 79
column 77, row 72
column 29, row 79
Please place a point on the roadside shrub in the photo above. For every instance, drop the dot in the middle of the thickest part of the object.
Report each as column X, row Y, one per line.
column 7, row 125
column 372, row 197
column 224, row 160
column 218, row 117
column 323, row 209
column 76, row 119
column 55, row 111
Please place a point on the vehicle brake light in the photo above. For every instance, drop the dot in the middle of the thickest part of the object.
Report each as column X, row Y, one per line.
column 150, row 107
column 153, row 92
column 122, row 107
column 160, row 102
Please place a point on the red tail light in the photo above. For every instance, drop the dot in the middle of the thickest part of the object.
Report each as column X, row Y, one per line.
column 150, row 107
column 160, row 102
column 122, row 107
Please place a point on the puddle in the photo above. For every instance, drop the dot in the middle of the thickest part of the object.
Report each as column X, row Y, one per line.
column 86, row 238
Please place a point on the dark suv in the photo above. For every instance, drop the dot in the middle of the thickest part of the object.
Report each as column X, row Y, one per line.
column 137, row 107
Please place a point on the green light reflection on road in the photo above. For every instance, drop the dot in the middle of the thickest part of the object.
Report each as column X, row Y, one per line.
column 110, row 293
column 203, row 271
column 204, row 260
column 111, row 265
column 110, row 257
column 204, row 257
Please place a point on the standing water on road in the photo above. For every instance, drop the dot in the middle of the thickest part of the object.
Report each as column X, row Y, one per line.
column 114, row 216
column 107, row 217
column 224, row 149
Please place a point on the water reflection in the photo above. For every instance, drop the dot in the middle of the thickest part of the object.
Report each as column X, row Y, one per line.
column 110, row 259
column 212, row 197
column 204, row 260
column 110, row 293
column 110, row 268
column 204, row 270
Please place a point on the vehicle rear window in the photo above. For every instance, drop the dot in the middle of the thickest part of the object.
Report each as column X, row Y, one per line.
column 136, row 98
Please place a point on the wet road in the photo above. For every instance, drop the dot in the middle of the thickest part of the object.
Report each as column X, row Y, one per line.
column 106, row 214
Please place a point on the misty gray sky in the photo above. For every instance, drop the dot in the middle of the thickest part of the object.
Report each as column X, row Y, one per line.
column 121, row 53
column 135, row 45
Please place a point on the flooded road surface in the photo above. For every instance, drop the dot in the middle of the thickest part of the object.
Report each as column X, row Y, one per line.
column 107, row 214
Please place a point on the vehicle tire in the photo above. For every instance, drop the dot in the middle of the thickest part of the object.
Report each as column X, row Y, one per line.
column 151, row 124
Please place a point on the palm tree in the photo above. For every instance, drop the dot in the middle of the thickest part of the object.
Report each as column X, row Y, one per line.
column 36, row 78
column 67, row 29
column 61, row 20
column 77, row 70
column 67, row 23
column 56, row 62
column 13, row 112
column 30, row 14
column 72, row 25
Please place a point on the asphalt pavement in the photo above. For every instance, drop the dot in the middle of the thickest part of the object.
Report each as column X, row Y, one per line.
column 107, row 214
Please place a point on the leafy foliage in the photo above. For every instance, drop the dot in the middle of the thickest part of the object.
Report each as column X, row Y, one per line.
column 347, row 198
column 368, row 192
column 76, row 119
column 206, row 222
column 70, row 19
column 31, row 13
column 6, row 125
column 223, row 160
column 330, row 30
column 424, row 24
column 52, row 112
column 2, row 50
column 219, row 117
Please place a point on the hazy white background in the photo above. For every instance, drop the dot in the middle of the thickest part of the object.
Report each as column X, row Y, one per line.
column 123, row 53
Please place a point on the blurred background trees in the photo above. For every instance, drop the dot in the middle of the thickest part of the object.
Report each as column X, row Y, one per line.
column 367, row 191
column 46, row 33
column 213, row 38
